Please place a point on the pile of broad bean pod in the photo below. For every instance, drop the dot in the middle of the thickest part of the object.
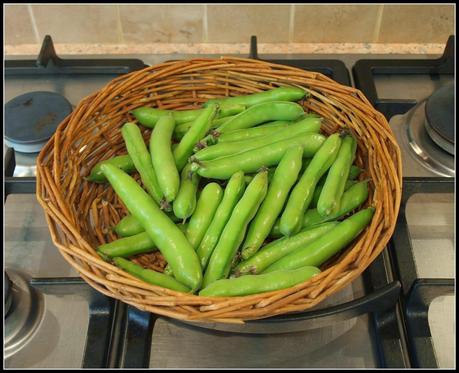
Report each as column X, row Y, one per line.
column 242, row 196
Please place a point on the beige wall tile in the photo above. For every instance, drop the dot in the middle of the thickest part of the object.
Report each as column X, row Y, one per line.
column 335, row 23
column 162, row 23
column 416, row 23
column 18, row 25
column 78, row 23
column 236, row 23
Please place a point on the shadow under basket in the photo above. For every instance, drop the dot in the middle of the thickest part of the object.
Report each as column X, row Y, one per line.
column 81, row 214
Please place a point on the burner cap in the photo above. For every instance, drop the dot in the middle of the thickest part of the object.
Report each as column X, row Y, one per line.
column 32, row 118
column 25, row 315
column 439, row 112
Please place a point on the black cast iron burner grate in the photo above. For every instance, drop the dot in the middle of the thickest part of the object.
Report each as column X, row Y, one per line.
column 334, row 69
column 131, row 329
column 365, row 70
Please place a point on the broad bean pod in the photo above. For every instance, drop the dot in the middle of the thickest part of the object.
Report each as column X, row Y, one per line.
column 254, row 159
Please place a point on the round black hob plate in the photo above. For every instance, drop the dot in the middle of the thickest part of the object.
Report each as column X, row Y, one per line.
column 440, row 117
column 32, row 118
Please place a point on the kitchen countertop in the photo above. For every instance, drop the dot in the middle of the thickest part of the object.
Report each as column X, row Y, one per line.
column 235, row 48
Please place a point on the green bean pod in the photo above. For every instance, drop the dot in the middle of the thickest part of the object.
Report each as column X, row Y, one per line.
column 255, row 284
column 233, row 192
column 261, row 113
column 284, row 178
column 308, row 125
column 233, row 234
column 103, row 256
column 121, row 161
column 168, row 270
column 129, row 225
column 337, row 176
column 226, row 111
column 302, row 193
column 260, row 130
column 162, row 158
column 275, row 250
column 148, row 117
column 352, row 198
column 183, row 227
column 181, row 129
column 250, row 133
column 127, row 246
column 206, row 207
column 197, row 131
column 142, row 160
column 168, row 238
column 320, row 250
column 150, row 276
column 320, row 185
column 275, row 94
column 254, row 159
column 185, row 202
column 249, row 178
column 354, row 172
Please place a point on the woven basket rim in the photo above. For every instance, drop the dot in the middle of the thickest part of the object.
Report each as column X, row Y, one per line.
column 117, row 283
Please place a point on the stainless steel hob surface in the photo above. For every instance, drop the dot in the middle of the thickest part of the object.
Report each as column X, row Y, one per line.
column 60, row 339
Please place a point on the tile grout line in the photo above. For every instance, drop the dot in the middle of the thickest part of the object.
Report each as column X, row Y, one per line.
column 119, row 25
column 377, row 30
column 205, row 33
column 292, row 23
column 34, row 23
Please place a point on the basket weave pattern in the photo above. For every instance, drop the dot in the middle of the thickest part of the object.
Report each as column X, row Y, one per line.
column 81, row 214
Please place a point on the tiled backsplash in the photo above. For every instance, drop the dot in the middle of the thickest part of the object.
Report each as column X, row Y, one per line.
column 210, row 23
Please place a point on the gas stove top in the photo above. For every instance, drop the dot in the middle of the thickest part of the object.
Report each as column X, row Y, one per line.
column 399, row 313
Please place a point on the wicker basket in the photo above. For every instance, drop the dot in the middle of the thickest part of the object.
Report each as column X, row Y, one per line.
column 80, row 214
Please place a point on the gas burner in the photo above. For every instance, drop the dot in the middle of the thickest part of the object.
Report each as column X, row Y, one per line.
column 422, row 146
column 24, row 315
column 32, row 118
column 440, row 117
